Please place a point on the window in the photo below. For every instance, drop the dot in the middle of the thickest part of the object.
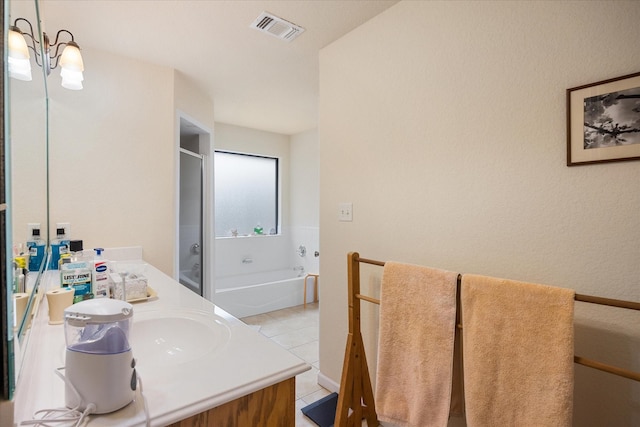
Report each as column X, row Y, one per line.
column 246, row 194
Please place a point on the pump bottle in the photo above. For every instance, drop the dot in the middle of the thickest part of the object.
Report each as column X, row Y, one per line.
column 101, row 278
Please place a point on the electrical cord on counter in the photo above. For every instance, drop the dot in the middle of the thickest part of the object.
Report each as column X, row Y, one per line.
column 65, row 416
column 51, row 417
column 144, row 401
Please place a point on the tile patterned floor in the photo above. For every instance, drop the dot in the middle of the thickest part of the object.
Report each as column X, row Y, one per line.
column 296, row 329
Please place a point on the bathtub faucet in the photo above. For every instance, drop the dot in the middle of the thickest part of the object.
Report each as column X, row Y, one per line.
column 195, row 249
column 247, row 260
column 299, row 269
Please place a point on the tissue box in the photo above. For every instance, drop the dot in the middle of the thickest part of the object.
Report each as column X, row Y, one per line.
column 135, row 284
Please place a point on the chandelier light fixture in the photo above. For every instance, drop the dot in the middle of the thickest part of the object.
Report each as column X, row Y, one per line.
column 65, row 54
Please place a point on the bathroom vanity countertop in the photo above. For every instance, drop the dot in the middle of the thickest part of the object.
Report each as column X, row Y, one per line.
column 242, row 364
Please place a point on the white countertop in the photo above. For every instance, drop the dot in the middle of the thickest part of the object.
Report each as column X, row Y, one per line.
column 243, row 364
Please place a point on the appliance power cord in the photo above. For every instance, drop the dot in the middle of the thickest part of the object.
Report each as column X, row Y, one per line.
column 49, row 417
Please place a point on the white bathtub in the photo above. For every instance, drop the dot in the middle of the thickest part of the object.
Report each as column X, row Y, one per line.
column 251, row 294
column 187, row 280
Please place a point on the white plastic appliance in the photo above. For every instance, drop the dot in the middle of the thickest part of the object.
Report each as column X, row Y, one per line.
column 99, row 366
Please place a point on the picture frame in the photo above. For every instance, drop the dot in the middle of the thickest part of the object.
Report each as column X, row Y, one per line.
column 603, row 121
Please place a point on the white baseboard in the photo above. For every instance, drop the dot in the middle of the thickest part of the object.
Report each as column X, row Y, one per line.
column 328, row 383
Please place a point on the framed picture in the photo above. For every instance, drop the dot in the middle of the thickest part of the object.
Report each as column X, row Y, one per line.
column 603, row 121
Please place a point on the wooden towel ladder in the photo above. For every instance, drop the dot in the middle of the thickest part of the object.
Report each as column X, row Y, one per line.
column 356, row 401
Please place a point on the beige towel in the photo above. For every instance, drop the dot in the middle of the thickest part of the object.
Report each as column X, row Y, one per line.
column 415, row 350
column 517, row 352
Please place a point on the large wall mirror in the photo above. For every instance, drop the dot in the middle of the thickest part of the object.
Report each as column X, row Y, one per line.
column 26, row 160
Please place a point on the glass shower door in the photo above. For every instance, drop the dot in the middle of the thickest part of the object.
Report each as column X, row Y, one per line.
column 191, row 216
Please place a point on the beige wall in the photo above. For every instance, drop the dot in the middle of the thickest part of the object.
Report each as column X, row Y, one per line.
column 444, row 124
column 305, row 198
column 113, row 154
column 191, row 100
column 305, row 179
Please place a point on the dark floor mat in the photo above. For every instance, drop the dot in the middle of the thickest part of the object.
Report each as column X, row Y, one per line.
column 323, row 411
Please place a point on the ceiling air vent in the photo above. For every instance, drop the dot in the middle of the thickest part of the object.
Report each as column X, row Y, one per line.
column 277, row 27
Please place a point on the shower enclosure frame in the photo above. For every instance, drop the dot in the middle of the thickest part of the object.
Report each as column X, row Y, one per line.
column 205, row 149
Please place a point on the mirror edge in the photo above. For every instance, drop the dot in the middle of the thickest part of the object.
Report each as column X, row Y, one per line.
column 14, row 334
column 7, row 366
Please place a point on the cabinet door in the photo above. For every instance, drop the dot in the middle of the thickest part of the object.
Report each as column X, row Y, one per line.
column 272, row 406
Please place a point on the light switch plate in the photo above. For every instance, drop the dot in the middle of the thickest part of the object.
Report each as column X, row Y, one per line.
column 345, row 211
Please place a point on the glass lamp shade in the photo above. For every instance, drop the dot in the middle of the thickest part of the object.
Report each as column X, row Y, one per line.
column 20, row 69
column 19, row 65
column 71, row 58
column 71, row 79
column 17, row 44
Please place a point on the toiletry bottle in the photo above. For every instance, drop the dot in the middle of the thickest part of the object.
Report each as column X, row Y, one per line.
column 59, row 246
column 20, row 274
column 77, row 252
column 16, row 280
column 64, row 259
column 76, row 274
column 20, row 250
column 36, row 248
column 101, row 277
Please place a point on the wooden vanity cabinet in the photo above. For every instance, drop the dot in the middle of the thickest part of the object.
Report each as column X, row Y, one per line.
column 272, row 406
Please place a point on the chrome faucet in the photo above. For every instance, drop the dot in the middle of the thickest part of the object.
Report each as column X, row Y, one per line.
column 299, row 269
column 301, row 251
column 195, row 249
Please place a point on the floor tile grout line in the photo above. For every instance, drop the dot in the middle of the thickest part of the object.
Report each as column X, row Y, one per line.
column 293, row 317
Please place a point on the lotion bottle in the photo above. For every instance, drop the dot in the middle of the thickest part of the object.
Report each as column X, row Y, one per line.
column 100, row 276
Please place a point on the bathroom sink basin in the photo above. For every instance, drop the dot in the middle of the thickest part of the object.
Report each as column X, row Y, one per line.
column 169, row 338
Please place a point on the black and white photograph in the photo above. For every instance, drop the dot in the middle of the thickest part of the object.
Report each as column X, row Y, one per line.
column 603, row 121
column 612, row 119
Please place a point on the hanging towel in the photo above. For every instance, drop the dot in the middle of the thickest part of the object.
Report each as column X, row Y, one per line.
column 517, row 353
column 416, row 341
